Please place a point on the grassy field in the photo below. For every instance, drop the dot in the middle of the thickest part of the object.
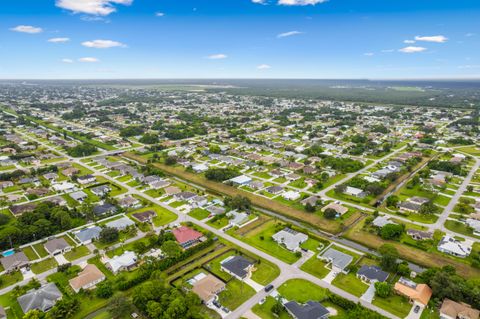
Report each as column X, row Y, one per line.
column 40, row 250
column 394, row 304
column 301, row 290
column 236, row 292
column 76, row 253
column 350, row 283
column 199, row 213
column 10, row 279
column 44, row 265
column 28, row 251
column 264, row 310
column 316, row 267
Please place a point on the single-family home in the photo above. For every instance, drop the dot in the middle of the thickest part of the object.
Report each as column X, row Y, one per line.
column 120, row 224
column 15, row 262
column 57, row 246
column 290, row 238
column 88, row 278
column 419, row 234
column 208, row 288
column 241, row 180
column 86, row 179
column 126, row 261
column 89, row 234
column 416, row 293
column 356, row 192
column 237, row 266
column 451, row 246
column 309, row 310
column 79, row 196
column 101, row 190
column 291, row 195
column 457, row 310
column 145, row 216
column 128, row 201
column 104, row 208
column 186, row 236
column 20, row 209
column 338, row 260
column 274, row 189
column 371, row 274
column 43, row 298
column 64, row 187
column 339, row 209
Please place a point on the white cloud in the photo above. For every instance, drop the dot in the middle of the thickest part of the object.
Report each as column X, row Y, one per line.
column 434, row 38
column 27, row 29
column 58, row 40
column 159, row 14
column 369, row 54
column 95, row 7
column 408, row 41
column 88, row 59
column 263, row 67
column 387, row 51
column 412, row 49
column 102, row 44
column 259, row 1
column 217, row 56
column 67, row 60
column 300, row 2
column 288, row 34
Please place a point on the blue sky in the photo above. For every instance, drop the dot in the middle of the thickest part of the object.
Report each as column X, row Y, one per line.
column 70, row 39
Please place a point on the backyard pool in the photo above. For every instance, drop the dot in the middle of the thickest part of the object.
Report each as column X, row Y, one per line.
column 9, row 252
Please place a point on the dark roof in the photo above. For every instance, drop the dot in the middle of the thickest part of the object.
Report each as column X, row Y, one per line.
column 373, row 273
column 20, row 209
column 13, row 261
column 237, row 265
column 144, row 216
column 44, row 298
column 103, row 208
column 310, row 310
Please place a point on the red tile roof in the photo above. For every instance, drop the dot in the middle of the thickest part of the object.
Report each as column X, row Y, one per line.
column 184, row 234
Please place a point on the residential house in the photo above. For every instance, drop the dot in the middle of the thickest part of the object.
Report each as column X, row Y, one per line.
column 208, row 288
column 356, row 192
column 88, row 278
column 57, row 246
column 126, row 261
column 104, row 208
column 419, row 234
column 338, row 260
column 455, row 310
column 371, row 274
column 43, row 298
column 290, row 238
column 101, row 190
column 145, row 216
column 416, row 293
column 274, row 189
column 312, row 200
column 309, row 310
column 120, row 224
column 237, row 218
column 64, row 187
column 69, row 172
column 291, row 195
column 15, row 262
column 79, row 196
column 172, row 190
column 86, row 179
column 339, row 209
column 20, row 209
column 241, row 180
column 381, row 221
column 128, row 201
column 186, row 236
column 451, row 246
column 237, row 266
column 89, row 234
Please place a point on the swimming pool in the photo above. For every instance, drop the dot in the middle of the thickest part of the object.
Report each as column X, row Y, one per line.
column 9, row 252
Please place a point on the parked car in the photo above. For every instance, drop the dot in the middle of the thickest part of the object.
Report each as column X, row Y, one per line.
column 416, row 309
column 268, row 288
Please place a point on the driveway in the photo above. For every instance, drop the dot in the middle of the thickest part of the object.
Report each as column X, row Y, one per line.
column 61, row 259
column 256, row 286
column 369, row 294
column 330, row 276
column 412, row 314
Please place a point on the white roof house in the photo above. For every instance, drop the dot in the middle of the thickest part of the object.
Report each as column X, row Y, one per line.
column 200, row 168
column 353, row 191
column 451, row 246
column 291, row 195
column 381, row 221
column 121, row 223
column 290, row 238
column 237, row 218
column 241, row 180
column 63, row 187
column 125, row 261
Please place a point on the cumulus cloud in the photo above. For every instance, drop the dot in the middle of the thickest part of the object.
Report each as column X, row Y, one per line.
column 159, row 14
column 259, row 1
column 95, row 7
column 288, row 34
column 300, row 2
column 434, row 38
column 26, row 29
column 263, row 67
column 412, row 49
column 88, row 60
column 58, row 40
column 102, row 44
column 67, row 60
column 218, row 56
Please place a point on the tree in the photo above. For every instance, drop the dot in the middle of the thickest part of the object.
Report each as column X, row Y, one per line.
column 238, row 202
column 104, row 289
column 429, row 209
column 34, row 314
column 392, row 201
column 171, row 248
column 149, row 139
column 403, row 269
column 309, row 208
column 392, row 231
column 119, row 306
column 389, row 256
column 340, row 189
column 170, row 160
column 80, row 150
column 383, row 289
column 109, row 235
column 330, row 213
column 277, row 307
column 64, row 308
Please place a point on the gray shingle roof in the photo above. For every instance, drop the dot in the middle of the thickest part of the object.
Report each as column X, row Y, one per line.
column 237, row 265
column 337, row 258
column 43, row 298
column 310, row 310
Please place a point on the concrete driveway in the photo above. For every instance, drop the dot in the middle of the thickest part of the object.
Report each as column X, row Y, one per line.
column 61, row 260
column 330, row 276
column 415, row 315
column 369, row 294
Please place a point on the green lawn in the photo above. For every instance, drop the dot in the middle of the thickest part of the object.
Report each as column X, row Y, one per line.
column 10, row 279
column 219, row 223
column 265, row 272
column 44, row 265
column 28, row 251
column 40, row 250
column 395, row 304
column 164, row 216
column 236, row 293
column 199, row 213
column 459, row 228
column 301, row 291
column 264, row 310
column 262, row 239
column 316, row 267
column 350, row 283
column 76, row 253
